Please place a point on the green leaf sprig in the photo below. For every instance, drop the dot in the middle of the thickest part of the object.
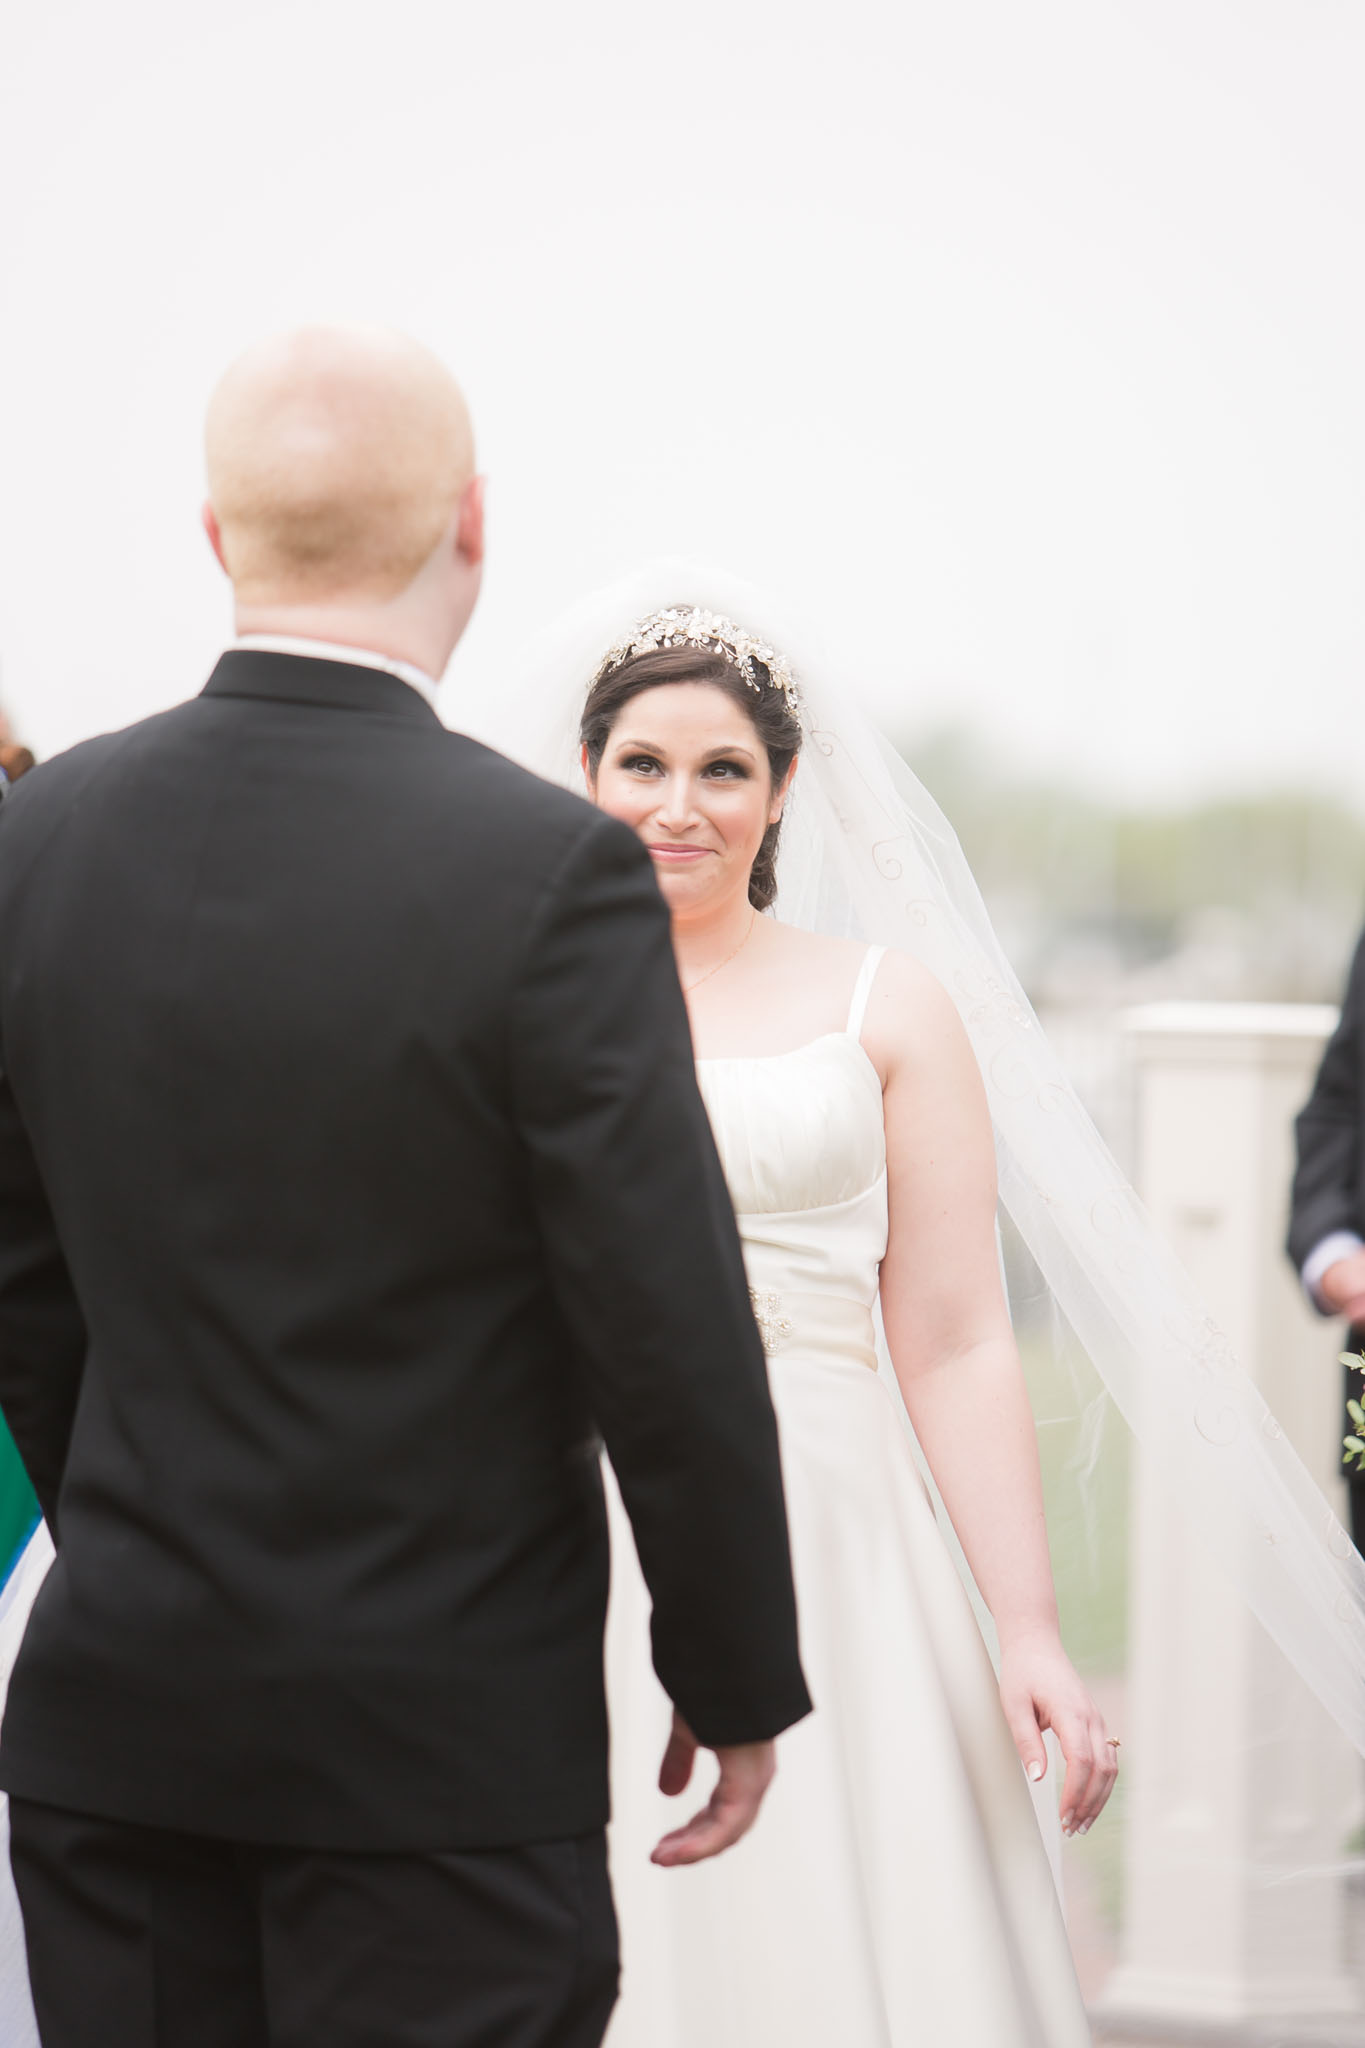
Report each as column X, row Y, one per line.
column 1354, row 1445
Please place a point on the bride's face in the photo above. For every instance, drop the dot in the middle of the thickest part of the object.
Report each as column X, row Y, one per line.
column 686, row 770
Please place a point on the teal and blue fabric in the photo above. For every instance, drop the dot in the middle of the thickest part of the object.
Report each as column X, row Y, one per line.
column 18, row 1506
column 19, row 1519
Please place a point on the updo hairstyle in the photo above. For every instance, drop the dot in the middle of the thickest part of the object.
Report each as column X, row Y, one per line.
column 766, row 709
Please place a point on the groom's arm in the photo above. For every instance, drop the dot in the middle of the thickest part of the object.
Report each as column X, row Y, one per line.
column 42, row 1331
column 645, row 1261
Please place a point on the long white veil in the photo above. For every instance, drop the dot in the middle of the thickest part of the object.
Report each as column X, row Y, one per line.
column 867, row 853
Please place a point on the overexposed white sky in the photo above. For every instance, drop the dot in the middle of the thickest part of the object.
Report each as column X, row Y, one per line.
column 1025, row 343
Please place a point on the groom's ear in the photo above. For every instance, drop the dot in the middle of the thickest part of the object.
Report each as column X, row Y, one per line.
column 215, row 534
column 469, row 531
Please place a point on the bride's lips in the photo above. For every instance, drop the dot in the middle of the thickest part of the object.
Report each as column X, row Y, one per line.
column 680, row 854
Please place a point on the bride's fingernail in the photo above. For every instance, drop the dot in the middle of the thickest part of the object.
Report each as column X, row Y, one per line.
column 1035, row 1770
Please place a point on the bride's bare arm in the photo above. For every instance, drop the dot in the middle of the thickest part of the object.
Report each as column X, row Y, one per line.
column 958, row 1368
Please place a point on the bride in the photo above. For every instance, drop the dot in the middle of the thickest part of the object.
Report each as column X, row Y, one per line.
column 855, row 1050
column 897, row 1889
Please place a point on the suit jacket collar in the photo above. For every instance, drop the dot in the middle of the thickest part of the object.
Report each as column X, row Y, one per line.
column 305, row 679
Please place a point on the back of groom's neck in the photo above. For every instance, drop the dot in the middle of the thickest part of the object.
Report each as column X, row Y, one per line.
column 364, row 628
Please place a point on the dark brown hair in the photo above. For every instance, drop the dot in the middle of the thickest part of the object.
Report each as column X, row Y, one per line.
column 766, row 709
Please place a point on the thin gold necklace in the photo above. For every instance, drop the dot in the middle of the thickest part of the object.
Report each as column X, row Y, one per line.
column 688, row 986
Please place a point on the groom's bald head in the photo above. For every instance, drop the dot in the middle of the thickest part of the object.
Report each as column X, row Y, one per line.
column 337, row 459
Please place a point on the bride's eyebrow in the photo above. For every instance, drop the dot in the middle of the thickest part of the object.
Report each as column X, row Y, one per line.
column 732, row 748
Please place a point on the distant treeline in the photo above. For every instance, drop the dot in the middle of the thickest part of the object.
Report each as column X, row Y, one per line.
column 1255, row 897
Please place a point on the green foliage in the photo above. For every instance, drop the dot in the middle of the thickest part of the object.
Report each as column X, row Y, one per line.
column 1287, row 868
column 1354, row 1445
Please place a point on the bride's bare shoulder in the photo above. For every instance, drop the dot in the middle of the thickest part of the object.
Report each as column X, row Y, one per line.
column 818, row 953
column 902, row 986
column 910, row 1014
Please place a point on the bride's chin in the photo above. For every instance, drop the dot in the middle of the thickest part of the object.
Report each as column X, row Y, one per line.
column 676, row 893
column 683, row 895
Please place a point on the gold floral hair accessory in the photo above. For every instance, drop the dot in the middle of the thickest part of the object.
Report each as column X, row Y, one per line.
column 690, row 626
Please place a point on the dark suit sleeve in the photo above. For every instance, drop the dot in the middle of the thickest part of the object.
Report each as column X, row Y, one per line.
column 1328, row 1131
column 645, row 1261
column 42, row 1331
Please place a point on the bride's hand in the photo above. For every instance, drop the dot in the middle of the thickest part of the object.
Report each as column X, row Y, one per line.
column 1039, row 1689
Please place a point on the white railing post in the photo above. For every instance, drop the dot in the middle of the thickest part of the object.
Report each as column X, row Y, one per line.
column 1240, row 1790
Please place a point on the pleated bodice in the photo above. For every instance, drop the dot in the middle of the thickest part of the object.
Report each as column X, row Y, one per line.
column 803, row 1145
column 802, row 1139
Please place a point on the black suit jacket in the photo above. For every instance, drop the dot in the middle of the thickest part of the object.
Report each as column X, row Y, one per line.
column 1330, row 1132
column 352, row 1175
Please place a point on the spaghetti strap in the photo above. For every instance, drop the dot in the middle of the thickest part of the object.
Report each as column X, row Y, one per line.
column 862, row 989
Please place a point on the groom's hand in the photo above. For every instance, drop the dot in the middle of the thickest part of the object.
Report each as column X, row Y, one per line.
column 1342, row 1287
column 746, row 1772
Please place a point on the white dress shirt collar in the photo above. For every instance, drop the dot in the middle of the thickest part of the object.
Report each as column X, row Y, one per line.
column 333, row 650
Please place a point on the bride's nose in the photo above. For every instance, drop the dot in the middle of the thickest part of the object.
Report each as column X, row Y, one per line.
column 676, row 807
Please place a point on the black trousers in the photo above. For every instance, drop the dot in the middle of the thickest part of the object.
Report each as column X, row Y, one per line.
column 144, row 1939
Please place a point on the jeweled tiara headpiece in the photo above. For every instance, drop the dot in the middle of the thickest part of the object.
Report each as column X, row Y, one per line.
column 691, row 626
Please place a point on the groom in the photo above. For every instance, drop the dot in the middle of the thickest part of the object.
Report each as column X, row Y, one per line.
column 352, row 1176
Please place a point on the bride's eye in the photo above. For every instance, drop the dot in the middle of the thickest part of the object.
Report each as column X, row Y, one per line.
column 639, row 764
column 725, row 771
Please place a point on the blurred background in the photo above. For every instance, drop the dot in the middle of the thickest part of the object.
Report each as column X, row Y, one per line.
column 1023, row 342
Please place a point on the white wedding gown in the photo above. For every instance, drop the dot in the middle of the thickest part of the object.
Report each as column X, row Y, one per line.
column 896, row 1892
column 18, row 2028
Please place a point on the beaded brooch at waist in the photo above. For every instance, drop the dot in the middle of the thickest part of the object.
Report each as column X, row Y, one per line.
column 797, row 1321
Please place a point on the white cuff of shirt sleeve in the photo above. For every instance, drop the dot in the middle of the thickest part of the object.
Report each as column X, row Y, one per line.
column 1340, row 1244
